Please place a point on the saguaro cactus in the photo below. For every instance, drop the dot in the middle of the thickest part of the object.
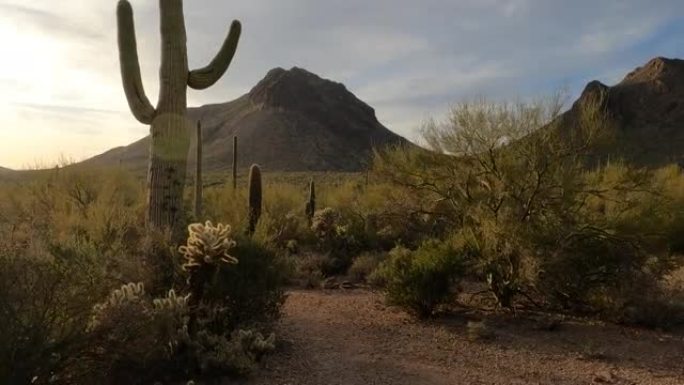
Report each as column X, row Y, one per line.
column 235, row 160
column 170, row 128
column 198, row 173
column 254, row 197
column 311, row 203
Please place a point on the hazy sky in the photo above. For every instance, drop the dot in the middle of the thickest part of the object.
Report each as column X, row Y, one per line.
column 61, row 94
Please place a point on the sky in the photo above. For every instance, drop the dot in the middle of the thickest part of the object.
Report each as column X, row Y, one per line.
column 61, row 95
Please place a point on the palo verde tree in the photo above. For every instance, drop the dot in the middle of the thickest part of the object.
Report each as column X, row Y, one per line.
column 170, row 128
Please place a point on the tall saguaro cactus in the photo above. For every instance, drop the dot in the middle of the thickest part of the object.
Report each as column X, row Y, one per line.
column 235, row 160
column 170, row 128
column 311, row 203
column 198, row 174
column 254, row 198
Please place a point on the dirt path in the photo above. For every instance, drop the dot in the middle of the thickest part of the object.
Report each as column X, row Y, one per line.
column 352, row 338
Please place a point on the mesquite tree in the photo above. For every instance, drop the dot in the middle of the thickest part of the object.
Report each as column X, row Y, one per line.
column 170, row 128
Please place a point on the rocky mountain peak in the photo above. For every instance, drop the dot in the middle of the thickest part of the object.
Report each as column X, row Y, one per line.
column 297, row 89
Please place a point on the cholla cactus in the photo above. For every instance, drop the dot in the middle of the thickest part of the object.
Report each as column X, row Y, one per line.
column 128, row 294
column 207, row 249
column 208, row 245
column 255, row 342
column 172, row 302
column 324, row 222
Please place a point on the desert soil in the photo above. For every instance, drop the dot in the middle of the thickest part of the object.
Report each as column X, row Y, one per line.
column 353, row 338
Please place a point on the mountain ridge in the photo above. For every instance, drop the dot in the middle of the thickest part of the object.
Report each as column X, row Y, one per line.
column 291, row 120
column 646, row 112
column 294, row 120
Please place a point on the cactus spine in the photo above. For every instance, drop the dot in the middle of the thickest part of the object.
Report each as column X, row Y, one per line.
column 235, row 160
column 170, row 129
column 311, row 203
column 254, row 198
column 198, row 173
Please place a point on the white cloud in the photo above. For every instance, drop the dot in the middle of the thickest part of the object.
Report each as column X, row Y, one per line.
column 408, row 59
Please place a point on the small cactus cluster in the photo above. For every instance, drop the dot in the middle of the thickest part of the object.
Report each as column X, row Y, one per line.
column 172, row 302
column 255, row 342
column 325, row 222
column 207, row 245
column 255, row 198
column 128, row 294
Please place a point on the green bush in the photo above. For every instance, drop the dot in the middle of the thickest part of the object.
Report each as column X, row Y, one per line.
column 252, row 290
column 421, row 280
column 334, row 239
column 135, row 339
column 44, row 306
column 364, row 266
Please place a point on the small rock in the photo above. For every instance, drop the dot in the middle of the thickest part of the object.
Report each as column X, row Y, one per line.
column 331, row 284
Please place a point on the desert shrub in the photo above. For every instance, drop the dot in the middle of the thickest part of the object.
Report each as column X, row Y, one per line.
column 307, row 269
column 284, row 232
column 61, row 255
column 211, row 328
column 334, row 239
column 364, row 266
column 44, row 306
column 421, row 280
column 535, row 220
column 136, row 339
column 252, row 290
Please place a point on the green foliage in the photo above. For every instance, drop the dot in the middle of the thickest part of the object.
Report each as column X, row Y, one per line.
column 44, row 304
column 334, row 239
column 364, row 266
column 250, row 292
column 68, row 240
column 534, row 220
column 421, row 280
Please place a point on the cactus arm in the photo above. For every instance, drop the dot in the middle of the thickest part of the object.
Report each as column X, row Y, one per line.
column 130, row 66
column 206, row 77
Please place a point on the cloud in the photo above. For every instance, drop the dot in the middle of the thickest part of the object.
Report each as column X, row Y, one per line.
column 408, row 59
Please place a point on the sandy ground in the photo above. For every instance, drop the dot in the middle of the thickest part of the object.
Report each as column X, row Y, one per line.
column 352, row 338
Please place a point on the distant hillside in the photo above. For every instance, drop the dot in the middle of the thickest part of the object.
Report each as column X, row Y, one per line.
column 646, row 110
column 292, row 120
column 6, row 171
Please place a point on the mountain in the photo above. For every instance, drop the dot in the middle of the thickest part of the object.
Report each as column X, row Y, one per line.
column 646, row 114
column 4, row 171
column 292, row 120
